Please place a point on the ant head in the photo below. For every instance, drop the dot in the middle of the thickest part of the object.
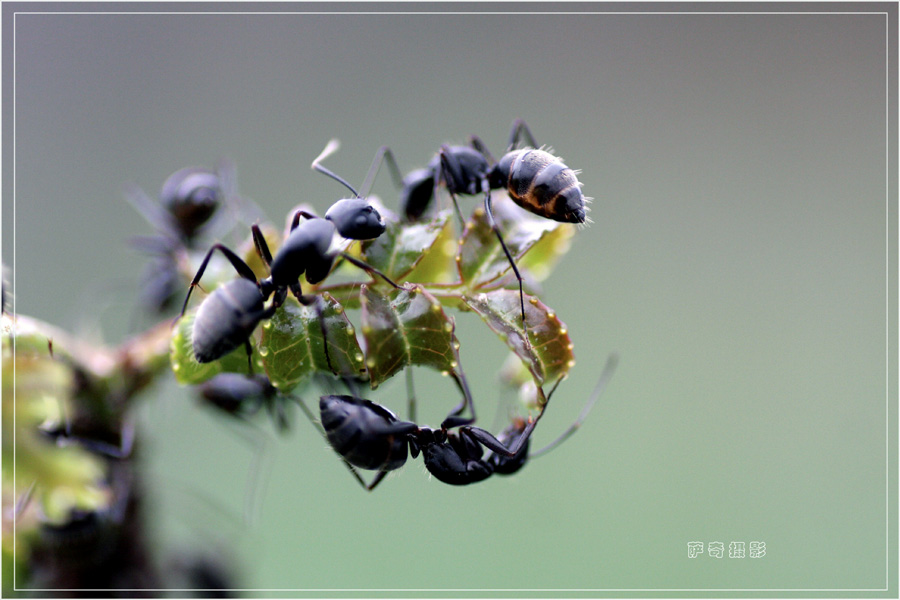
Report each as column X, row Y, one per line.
column 356, row 219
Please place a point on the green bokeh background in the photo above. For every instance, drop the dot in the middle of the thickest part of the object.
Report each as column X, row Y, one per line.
column 737, row 262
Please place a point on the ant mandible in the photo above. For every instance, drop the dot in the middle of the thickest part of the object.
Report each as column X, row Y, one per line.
column 229, row 315
column 369, row 436
column 534, row 178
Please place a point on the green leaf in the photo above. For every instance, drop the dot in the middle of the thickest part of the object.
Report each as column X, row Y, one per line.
column 293, row 348
column 438, row 263
column 481, row 259
column 402, row 246
column 408, row 327
column 544, row 255
column 185, row 366
column 547, row 353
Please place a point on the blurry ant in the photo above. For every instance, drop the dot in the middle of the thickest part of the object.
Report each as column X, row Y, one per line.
column 243, row 396
column 534, row 178
column 230, row 314
column 188, row 201
column 369, row 436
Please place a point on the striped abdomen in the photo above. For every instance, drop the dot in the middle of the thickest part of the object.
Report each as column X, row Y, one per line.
column 542, row 184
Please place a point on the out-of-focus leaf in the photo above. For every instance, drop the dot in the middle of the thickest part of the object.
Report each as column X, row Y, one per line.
column 407, row 327
column 438, row 262
column 481, row 259
column 37, row 390
column 549, row 355
column 185, row 366
column 402, row 246
column 547, row 251
column 514, row 373
column 293, row 348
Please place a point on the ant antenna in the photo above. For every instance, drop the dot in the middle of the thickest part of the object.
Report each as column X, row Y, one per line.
column 330, row 149
column 607, row 374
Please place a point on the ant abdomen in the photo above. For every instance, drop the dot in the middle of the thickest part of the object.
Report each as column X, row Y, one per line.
column 366, row 434
column 226, row 319
column 542, row 184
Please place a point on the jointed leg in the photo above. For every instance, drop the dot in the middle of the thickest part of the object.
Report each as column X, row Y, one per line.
column 512, row 262
column 262, row 247
column 520, row 130
column 239, row 265
column 301, row 213
column 608, row 370
column 410, row 396
column 370, row 269
column 450, row 174
column 454, row 419
column 316, row 302
column 479, row 145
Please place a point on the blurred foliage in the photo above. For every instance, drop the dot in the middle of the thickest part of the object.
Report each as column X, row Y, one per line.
column 65, row 406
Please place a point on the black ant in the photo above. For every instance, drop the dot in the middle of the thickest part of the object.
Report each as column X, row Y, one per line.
column 369, row 436
column 242, row 396
column 535, row 179
column 230, row 314
column 188, row 201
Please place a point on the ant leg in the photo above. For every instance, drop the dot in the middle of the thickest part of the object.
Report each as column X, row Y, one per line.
column 512, row 262
column 454, row 419
column 608, row 370
column 262, row 247
column 152, row 211
column 384, row 154
column 520, row 130
column 23, row 501
column 301, row 213
column 370, row 269
column 278, row 415
column 487, row 439
column 236, row 261
column 316, row 302
column 330, row 149
column 249, row 348
column 459, row 215
column 450, row 173
column 265, row 313
column 410, row 395
column 479, row 145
